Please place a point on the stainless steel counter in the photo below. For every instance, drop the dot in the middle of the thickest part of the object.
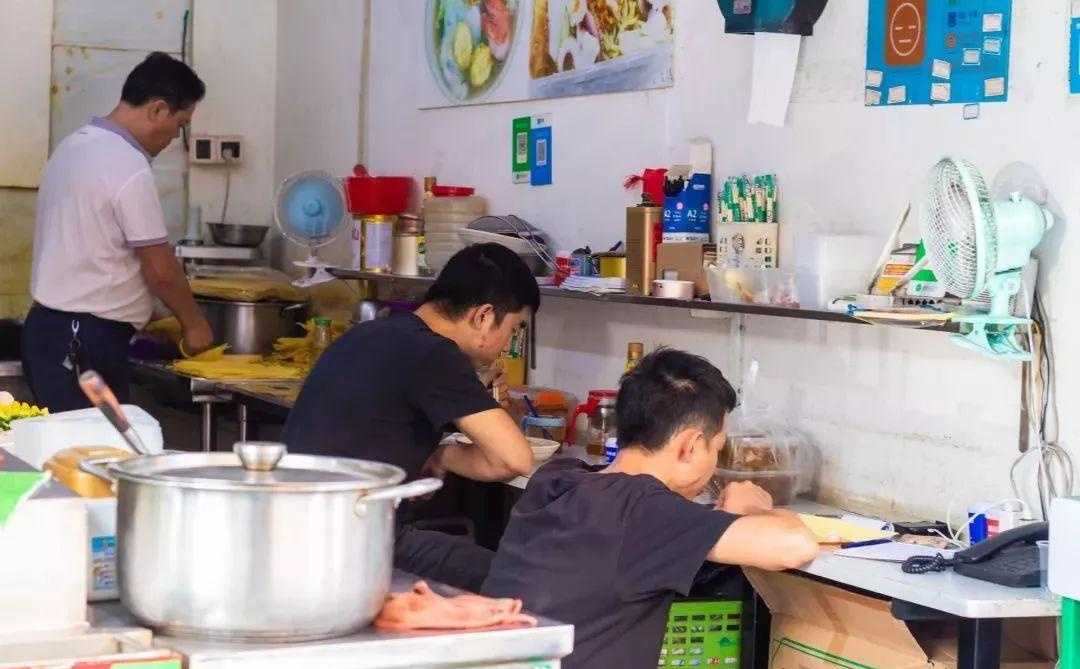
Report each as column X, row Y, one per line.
column 539, row 647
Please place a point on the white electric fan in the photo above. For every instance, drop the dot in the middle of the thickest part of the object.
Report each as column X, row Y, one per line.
column 978, row 247
column 310, row 211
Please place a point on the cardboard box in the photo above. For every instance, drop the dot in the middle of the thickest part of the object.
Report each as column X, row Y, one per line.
column 689, row 260
column 819, row 626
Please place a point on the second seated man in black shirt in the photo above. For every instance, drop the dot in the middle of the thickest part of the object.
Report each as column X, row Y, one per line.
column 389, row 390
column 607, row 548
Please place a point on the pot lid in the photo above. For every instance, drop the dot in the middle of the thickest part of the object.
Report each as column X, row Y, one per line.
column 259, row 466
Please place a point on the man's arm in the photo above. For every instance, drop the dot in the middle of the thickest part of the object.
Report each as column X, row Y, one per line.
column 764, row 537
column 773, row 540
column 166, row 281
column 499, row 451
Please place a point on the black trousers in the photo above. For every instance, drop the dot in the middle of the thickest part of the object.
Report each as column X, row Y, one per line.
column 446, row 558
column 47, row 342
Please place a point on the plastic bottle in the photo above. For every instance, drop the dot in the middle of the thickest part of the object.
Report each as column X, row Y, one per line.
column 321, row 341
column 635, row 351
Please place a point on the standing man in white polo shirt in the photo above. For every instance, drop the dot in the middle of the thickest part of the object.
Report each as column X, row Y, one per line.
column 101, row 253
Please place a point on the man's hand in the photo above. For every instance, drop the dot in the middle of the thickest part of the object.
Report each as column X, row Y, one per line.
column 744, row 498
column 198, row 338
column 494, row 377
column 165, row 280
column 433, row 468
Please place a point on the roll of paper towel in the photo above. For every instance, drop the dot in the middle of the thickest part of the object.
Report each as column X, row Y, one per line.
column 776, row 58
column 37, row 439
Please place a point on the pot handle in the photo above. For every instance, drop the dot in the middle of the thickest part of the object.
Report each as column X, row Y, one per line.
column 100, row 467
column 397, row 493
column 293, row 307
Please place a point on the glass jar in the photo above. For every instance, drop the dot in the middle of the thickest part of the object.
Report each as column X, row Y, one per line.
column 601, row 427
column 544, row 427
column 408, row 246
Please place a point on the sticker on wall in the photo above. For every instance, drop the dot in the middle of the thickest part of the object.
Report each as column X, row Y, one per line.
column 938, row 51
column 519, row 150
column 1074, row 49
column 540, row 151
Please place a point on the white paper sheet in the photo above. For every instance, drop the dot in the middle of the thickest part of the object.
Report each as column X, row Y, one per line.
column 776, row 57
column 893, row 551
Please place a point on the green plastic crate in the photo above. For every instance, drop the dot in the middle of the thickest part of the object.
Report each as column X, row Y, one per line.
column 703, row 633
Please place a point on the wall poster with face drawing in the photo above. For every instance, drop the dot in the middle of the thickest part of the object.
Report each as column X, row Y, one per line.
column 484, row 51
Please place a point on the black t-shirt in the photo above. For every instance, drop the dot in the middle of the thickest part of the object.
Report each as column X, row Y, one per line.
column 605, row 552
column 387, row 390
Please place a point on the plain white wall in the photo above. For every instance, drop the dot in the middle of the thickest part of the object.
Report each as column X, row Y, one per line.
column 319, row 76
column 906, row 422
column 235, row 53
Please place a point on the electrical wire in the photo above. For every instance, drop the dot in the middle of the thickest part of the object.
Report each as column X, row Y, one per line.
column 183, row 59
column 1054, row 468
column 228, row 180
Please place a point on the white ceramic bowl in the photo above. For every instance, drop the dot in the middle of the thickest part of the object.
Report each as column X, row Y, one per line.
column 543, row 449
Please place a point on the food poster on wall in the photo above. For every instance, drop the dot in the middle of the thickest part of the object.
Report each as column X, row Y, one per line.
column 486, row 51
column 937, row 51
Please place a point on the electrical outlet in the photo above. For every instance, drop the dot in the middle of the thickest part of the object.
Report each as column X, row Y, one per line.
column 216, row 149
column 202, row 149
column 230, row 148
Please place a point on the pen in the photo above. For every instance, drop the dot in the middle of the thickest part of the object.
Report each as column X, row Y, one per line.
column 860, row 544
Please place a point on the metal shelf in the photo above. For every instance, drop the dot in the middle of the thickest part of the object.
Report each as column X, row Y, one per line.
column 622, row 298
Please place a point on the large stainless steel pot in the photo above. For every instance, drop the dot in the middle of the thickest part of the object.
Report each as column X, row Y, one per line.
column 260, row 547
column 252, row 327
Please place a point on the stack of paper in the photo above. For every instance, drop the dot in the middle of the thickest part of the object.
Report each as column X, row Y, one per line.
column 594, row 284
column 837, row 531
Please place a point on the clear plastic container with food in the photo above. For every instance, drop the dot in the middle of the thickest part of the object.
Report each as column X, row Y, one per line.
column 782, row 485
column 772, row 458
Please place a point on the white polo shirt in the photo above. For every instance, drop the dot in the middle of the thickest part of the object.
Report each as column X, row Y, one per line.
column 96, row 204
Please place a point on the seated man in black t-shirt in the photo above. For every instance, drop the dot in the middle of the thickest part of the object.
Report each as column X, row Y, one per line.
column 607, row 549
column 388, row 390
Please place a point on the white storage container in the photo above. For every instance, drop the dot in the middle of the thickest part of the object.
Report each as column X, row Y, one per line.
column 37, row 439
column 43, row 563
column 839, row 264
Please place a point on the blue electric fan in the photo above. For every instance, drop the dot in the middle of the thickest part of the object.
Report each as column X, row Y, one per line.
column 310, row 210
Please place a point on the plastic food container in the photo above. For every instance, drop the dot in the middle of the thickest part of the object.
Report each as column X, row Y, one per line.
column 782, row 485
column 752, row 285
column 771, row 459
column 673, row 289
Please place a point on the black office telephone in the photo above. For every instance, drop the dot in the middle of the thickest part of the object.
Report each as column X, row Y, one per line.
column 1011, row 558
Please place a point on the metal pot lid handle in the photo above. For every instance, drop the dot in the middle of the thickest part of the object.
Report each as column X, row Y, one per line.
column 259, row 456
column 417, row 488
column 101, row 468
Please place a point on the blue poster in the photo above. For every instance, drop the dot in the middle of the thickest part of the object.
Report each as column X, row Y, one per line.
column 921, row 52
column 1074, row 56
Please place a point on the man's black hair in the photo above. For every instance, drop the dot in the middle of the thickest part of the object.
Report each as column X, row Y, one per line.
column 668, row 391
column 162, row 77
column 484, row 274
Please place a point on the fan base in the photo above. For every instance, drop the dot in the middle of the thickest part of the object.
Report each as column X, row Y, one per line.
column 994, row 337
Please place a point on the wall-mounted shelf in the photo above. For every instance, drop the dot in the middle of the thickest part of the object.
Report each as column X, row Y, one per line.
column 621, row 298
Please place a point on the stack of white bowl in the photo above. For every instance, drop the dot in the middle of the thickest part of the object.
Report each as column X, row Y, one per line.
column 444, row 218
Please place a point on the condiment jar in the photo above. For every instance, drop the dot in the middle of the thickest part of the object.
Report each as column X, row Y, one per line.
column 409, row 246
column 600, row 408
